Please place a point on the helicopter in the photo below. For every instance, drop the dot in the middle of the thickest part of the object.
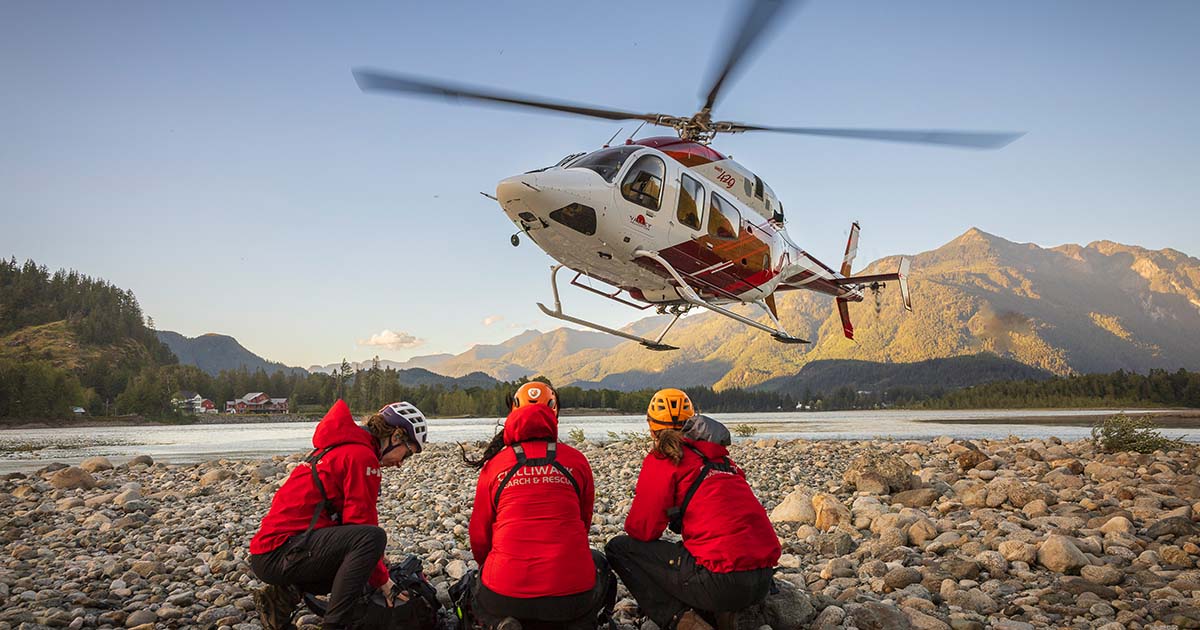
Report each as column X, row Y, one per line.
column 669, row 221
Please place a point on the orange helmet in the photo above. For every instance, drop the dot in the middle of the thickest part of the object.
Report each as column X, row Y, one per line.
column 534, row 392
column 669, row 409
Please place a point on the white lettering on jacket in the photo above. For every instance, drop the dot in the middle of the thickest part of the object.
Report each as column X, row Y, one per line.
column 529, row 475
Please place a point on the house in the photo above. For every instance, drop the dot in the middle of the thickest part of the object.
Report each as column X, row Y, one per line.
column 79, row 411
column 257, row 402
column 187, row 402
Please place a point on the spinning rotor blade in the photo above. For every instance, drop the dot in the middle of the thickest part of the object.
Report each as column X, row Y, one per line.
column 965, row 139
column 758, row 16
column 370, row 80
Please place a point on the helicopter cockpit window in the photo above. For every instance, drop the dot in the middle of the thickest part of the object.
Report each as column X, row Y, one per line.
column 643, row 182
column 723, row 219
column 606, row 162
column 691, row 200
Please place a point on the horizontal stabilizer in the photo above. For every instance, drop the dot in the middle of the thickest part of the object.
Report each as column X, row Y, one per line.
column 877, row 279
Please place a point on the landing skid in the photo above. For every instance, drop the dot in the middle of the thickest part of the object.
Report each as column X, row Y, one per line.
column 557, row 313
column 685, row 291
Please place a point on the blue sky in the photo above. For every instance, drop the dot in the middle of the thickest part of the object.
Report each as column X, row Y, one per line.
column 218, row 159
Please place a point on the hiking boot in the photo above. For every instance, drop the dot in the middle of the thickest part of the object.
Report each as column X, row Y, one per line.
column 508, row 623
column 727, row 621
column 275, row 605
column 691, row 620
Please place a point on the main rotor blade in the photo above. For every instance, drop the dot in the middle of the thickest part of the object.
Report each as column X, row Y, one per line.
column 370, row 80
column 758, row 16
column 965, row 139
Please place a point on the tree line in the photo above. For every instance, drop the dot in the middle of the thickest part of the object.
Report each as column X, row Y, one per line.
column 1158, row 387
column 370, row 388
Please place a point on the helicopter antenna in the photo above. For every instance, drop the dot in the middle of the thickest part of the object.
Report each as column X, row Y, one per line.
column 639, row 128
column 614, row 137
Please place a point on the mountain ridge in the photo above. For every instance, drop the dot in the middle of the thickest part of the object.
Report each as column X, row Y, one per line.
column 1063, row 309
column 214, row 352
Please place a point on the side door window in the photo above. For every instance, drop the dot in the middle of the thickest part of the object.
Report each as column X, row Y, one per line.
column 723, row 219
column 691, row 201
column 643, row 183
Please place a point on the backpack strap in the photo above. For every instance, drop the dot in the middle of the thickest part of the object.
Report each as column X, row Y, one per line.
column 675, row 514
column 522, row 461
column 325, row 504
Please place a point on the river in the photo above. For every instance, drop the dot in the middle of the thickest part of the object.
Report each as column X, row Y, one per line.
column 30, row 449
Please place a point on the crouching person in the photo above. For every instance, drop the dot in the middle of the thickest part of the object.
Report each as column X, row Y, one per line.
column 529, row 526
column 729, row 548
column 321, row 534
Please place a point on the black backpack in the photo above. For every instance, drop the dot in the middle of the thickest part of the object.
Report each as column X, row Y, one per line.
column 422, row 611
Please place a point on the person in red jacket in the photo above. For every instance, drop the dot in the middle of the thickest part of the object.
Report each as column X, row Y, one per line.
column 729, row 548
column 530, row 522
column 322, row 532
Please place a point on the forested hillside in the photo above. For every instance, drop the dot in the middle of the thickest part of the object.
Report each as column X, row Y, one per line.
column 68, row 339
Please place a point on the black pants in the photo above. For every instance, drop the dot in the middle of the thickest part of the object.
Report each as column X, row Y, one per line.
column 665, row 580
column 335, row 560
column 570, row 612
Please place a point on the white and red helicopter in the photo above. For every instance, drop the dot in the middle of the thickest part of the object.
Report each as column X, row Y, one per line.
column 670, row 221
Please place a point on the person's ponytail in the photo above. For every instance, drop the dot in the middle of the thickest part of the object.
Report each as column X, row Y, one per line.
column 668, row 444
column 491, row 450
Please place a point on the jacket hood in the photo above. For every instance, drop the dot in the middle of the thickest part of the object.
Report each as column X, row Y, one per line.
column 531, row 422
column 711, row 450
column 338, row 426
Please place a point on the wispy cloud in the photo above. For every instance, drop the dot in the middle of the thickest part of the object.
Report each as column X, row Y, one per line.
column 492, row 319
column 392, row 340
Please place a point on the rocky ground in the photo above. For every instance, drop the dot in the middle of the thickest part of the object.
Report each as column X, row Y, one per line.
column 876, row 534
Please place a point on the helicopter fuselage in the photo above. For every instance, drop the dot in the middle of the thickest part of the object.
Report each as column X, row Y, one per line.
column 719, row 226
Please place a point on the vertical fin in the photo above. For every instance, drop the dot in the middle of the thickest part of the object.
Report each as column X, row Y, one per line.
column 905, row 263
column 843, row 307
column 851, row 249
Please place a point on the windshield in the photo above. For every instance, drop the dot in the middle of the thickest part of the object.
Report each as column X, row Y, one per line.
column 606, row 162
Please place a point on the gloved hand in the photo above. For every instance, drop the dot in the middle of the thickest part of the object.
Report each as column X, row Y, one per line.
column 392, row 594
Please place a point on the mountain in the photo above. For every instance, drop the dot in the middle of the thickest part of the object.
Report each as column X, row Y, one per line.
column 1063, row 310
column 415, row 377
column 212, row 353
column 827, row 375
column 427, row 362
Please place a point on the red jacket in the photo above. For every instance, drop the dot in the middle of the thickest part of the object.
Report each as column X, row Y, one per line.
column 535, row 544
column 350, row 474
column 725, row 527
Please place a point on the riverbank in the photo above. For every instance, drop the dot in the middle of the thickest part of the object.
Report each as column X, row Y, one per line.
column 1165, row 418
column 223, row 418
column 876, row 534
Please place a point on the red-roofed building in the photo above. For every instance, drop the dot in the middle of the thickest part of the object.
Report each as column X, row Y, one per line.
column 257, row 402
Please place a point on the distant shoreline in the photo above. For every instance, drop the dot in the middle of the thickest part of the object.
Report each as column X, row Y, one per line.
column 1165, row 418
column 222, row 418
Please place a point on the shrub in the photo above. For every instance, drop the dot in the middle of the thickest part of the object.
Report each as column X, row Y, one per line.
column 1122, row 433
column 745, row 430
column 576, row 436
column 629, row 437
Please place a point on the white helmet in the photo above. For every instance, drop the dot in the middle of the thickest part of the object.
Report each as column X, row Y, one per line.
column 405, row 416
